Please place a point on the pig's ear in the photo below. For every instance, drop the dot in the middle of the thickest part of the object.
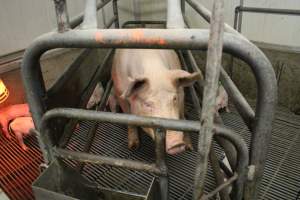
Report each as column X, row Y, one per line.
column 133, row 86
column 183, row 78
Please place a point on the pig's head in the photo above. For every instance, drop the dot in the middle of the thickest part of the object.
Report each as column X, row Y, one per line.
column 161, row 95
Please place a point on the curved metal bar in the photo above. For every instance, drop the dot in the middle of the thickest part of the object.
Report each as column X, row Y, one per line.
column 166, row 39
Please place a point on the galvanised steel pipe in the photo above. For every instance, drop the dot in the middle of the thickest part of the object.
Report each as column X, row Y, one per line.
column 90, row 15
column 174, row 14
column 62, row 15
column 167, row 39
column 212, row 73
column 104, row 160
column 268, row 10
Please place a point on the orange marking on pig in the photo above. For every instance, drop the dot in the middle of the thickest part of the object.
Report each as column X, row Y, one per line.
column 98, row 37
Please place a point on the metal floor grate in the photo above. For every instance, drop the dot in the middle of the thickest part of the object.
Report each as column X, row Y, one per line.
column 18, row 168
column 281, row 180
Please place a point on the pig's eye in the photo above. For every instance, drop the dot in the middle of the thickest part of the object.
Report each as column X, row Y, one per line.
column 147, row 104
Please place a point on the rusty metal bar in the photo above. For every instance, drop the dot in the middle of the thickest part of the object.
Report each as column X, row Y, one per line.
column 90, row 15
column 160, row 152
column 174, row 14
column 62, row 15
column 116, row 14
column 213, row 66
column 104, row 160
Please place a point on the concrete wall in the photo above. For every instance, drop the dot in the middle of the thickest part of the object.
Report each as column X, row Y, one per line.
column 22, row 21
column 274, row 29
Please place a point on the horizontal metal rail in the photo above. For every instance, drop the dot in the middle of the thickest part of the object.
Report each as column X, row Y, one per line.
column 160, row 123
column 267, row 10
column 104, row 160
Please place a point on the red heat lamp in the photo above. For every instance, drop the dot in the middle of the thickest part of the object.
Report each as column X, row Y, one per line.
column 4, row 93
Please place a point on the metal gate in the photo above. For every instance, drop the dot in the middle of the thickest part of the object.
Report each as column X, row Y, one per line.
column 55, row 124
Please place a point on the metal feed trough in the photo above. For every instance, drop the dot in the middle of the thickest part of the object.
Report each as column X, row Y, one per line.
column 56, row 111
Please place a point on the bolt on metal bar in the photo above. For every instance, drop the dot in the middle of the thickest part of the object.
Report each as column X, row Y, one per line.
column 174, row 14
column 90, row 15
column 213, row 66
column 78, row 19
column 104, row 160
column 160, row 152
column 62, row 15
column 116, row 14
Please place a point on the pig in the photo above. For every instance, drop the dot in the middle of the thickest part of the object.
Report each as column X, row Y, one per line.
column 9, row 113
column 96, row 96
column 150, row 83
column 21, row 127
column 221, row 100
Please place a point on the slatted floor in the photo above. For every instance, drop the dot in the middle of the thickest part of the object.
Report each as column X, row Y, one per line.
column 281, row 181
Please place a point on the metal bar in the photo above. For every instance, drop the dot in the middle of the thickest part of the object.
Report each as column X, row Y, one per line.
column 268, row 10
column 206, row 14
column 240, row 17
column 165, row 39
column 62, row 15
column 174, row 15
column 213, row 66
column 90, row 15
column 160, row 152
column 78, row 19
column 111, row 21
column 142, row 22
column 193, row 92
column 243, row 108
column 242, row 162
column 219, row 176
column 220, row 188
column 94, row 127
column 104, row 160
column 115, row 11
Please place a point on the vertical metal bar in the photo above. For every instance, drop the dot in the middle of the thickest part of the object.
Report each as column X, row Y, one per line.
column 213, row 66
column 219, row 177
column 160, row 151
column 174, row 15
column 62, row 16
column 116, row 14
column 240, row 17
column 90, row 15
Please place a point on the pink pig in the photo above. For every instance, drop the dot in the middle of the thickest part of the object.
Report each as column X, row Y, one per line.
column 21, row 128
column 9, row 113
column 150, row 82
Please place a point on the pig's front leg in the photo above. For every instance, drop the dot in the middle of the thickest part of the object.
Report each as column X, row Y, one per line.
column 188, row 142
column 20, row 140
column 133, row 138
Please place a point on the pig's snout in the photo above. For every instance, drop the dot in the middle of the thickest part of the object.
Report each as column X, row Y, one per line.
column 174, row 142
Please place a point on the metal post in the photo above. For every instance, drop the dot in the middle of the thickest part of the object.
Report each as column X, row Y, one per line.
column 160, row 151
column 62, row 16
column 213, row 66
column 174, row 15
column 90, row 15
column 240, row 17
column 116, row 14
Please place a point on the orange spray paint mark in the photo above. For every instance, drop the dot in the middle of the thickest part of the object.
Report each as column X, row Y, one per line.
column 99, row 37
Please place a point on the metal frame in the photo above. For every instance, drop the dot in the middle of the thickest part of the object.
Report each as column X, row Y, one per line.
column 259, row 122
